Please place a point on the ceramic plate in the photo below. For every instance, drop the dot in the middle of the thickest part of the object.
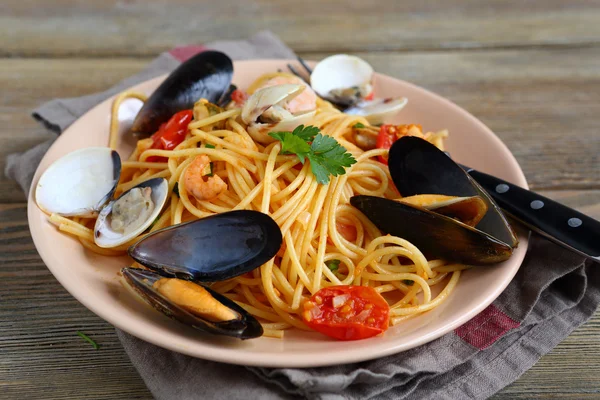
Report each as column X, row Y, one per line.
column 93, row 280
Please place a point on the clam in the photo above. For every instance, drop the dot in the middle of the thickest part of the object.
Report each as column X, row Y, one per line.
column 183, row 259
column 439, row 225
column 347, row 81
column 206, row 75
column 131, row 214
column 378, row 111
column 342, row 79
column 265, row 111
column 80, row 183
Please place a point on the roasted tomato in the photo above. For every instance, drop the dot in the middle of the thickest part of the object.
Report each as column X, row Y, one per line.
column 239, row 97
column 347, row 312
column 388, row 134
column 171, row 134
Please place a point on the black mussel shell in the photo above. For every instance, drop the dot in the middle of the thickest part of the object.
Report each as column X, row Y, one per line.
column 245, row 327
column 211, row 249
column 206, row 75
column 434, row 234
column 419, row 167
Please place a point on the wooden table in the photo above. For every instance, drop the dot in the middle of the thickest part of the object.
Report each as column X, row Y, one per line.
column 530, row 70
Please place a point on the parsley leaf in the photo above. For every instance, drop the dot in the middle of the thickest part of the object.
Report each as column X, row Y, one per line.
column 292, row 144
column 209, row 146
column 408, row 282
column 333, row 265
column 358, row 125
column 307, row 133
column 327, row 157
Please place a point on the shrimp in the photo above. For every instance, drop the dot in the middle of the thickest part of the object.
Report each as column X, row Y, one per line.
column 304, row 102
column 200, row 182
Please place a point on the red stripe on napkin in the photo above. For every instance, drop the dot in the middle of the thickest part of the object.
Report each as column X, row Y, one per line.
column 487, row 327
column 185, row 52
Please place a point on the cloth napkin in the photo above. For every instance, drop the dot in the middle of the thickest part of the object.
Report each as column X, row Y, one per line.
column 554, row 292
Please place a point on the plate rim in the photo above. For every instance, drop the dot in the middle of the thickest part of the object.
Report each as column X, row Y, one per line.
column 230, row 355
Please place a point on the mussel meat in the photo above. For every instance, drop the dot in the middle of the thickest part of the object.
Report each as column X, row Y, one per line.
column 184, row 258
column 206, row 75
column 267, row 111
column 188, row 304
column 419, row 168
column 468, row 210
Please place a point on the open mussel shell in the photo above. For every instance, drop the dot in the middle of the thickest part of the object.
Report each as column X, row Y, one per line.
column 436, row 235
column 419, row 167
column 206, row 75
column 80, row 183
column 211, row 249
column 104, row 234
column 468, row 210
column 244, row 326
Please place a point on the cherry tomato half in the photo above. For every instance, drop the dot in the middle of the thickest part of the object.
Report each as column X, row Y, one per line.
column 171, row 134
column 239, row 96
column 347, row 312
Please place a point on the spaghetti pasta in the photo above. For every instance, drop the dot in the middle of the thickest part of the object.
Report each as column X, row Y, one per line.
column 318, row 224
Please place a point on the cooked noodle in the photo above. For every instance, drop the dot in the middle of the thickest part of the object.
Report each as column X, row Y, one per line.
column 309, row 215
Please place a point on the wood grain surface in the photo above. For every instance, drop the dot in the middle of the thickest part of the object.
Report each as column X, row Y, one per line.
column 530, row 70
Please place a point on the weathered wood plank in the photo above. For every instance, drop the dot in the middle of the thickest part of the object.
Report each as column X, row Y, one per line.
column 39, row 347
column 124, row 28
column 541, row 103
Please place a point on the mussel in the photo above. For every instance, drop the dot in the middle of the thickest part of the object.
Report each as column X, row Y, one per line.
column 206, row 75
column 347, row 81
column 420, row 168
column 83, row 183
column 183, row 259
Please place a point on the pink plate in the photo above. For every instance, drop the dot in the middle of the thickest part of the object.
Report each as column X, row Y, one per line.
column 92, row 279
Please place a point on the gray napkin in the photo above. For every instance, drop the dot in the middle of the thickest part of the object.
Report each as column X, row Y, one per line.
column 554, row 292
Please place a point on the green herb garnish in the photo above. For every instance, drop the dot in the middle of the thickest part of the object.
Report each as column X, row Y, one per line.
column 209, row 146
column 87, row 339
column 333, row 265
column 327, row 157
column 408, row 282
column 176, row 189
column 358, row 125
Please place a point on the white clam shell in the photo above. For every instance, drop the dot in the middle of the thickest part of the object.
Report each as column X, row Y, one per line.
column 106, row 237
column 259, row 132
column 338, row 72
column 377, row 111
column 80, row 183
column 267, row 97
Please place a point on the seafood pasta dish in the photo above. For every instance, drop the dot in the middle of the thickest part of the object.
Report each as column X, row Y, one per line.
column 293, row 203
